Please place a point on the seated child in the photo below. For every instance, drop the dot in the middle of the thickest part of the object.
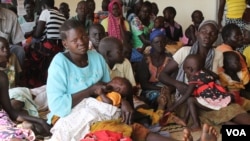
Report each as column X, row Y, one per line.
column 22, row 99
column 158, row 23
column 233, row 79
column 11, row 67
column 202, row 90
column 197, row 18
column 173, row 29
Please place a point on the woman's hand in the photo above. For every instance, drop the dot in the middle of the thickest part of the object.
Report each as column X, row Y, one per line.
column 181, row 87
column 46, row 127
column 127, row 112
column 97, row 88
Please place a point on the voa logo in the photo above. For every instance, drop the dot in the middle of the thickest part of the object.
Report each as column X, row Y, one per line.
column 236, row 132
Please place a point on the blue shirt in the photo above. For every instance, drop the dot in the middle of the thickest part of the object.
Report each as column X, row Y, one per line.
column 66, row 79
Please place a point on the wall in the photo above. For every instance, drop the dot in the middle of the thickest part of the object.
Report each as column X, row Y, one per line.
column 184, row 8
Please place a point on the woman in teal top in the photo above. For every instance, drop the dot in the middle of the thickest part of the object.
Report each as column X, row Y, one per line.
column 73, row 75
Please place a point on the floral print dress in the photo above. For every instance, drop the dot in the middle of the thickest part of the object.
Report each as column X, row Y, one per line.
column 8, row 129
column 208, row 93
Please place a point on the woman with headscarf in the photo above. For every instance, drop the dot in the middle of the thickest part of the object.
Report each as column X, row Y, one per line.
column 149, row 68
column 115, row 25
column 206, row 35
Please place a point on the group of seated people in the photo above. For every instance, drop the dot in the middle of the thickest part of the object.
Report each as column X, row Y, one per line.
column 119, row 74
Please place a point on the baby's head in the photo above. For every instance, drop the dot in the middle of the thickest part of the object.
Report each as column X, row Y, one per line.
column 121, row 85
column 159, row 22
column 4, row 49
column 192, row 64
column 231, row 61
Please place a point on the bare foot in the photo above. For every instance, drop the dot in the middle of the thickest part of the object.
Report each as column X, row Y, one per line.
column 165, row 91
column 187, row 135
column 162, row 101
column 178, row 120
column 208, row 133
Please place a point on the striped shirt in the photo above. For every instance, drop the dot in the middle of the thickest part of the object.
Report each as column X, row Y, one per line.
column 53, row 20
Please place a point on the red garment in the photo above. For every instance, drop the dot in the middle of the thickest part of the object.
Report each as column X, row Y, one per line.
column 203, row 87
column 105, row 135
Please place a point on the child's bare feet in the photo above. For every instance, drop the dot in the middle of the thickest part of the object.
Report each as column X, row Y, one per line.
column 208, row 133
column 187, row 135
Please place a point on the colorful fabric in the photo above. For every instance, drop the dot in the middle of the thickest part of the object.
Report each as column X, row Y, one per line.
column 210, row 58
column 105, row 135
column 136, row 131
column 137, row 29
column 114, row 97
column 8, row 129
column 136, row 56
column 208, row 93
column 114, row 23
column 154, row 115
column 155, row 71
column 72, row 79
column 236, row 86
column 115, row 125
column 244, row 70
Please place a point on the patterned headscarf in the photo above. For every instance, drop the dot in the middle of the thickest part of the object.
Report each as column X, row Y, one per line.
column 114, row 22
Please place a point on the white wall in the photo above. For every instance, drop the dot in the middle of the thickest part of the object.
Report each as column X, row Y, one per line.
column 184, row 8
